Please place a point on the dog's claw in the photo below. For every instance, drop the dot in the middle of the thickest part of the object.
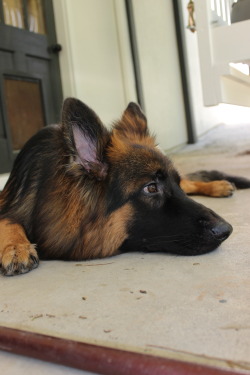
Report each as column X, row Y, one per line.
column 223, row 189
column 19, row 259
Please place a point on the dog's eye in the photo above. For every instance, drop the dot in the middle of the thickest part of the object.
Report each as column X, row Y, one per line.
column 151, row 188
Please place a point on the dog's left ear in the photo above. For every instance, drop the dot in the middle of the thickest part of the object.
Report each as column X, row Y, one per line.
column 86, row 136
column 133, row 123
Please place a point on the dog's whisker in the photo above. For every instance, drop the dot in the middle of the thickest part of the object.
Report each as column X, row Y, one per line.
column 182, row 240
column 163, row 243
column 167, row 236
column 166, row 239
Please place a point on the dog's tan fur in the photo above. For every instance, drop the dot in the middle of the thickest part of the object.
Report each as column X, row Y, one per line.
column 76, row 189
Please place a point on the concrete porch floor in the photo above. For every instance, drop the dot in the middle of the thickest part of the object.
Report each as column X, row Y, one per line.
column 191, row 308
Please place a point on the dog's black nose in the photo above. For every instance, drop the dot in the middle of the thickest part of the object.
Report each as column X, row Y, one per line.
column 222, row 231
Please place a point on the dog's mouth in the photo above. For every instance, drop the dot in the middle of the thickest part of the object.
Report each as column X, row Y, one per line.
column 187, row 245
column 208, row 241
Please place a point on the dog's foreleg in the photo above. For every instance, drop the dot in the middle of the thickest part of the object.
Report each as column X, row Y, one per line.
column 17, row 254
column 212, row 189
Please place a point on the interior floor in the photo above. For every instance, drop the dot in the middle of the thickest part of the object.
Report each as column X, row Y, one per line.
column 192, row 308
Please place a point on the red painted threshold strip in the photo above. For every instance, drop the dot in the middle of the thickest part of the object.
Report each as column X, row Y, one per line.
column 94, row 358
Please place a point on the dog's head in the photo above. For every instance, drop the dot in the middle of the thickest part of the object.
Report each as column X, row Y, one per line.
column 137, row 181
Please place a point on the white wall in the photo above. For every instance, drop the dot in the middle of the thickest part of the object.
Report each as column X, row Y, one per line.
column 161, row 81
column 93, row 66
column 96, row 62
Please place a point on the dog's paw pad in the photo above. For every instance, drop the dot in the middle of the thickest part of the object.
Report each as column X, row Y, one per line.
column 18, row 259
column 222, row 189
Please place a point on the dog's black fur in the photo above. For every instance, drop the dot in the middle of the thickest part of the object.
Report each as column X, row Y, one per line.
column 79, row 191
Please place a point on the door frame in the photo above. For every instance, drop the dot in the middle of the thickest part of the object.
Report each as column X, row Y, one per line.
column 185, row 79
column 13, row 37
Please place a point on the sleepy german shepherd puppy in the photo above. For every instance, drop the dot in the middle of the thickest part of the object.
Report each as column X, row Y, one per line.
column 78, row 191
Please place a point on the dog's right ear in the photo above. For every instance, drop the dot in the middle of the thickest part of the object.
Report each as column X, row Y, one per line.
column 132, row 127
column 85, row 135
column 133, row 124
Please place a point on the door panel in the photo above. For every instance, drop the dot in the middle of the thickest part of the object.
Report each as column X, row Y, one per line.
column 24, row 109
column 30, row 85
column 13, row 13
column 36, row 21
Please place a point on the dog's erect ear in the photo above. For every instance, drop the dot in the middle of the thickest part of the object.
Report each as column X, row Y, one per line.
column 133, row 123
column 85, row 135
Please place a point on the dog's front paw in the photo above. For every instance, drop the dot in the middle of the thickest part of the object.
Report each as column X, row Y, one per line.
column 221, row 188
column 18, row 259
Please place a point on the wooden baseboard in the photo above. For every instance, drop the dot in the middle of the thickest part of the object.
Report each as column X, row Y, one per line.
column 97, row 359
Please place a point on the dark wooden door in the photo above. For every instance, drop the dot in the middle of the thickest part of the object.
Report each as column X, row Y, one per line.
column 30, row 85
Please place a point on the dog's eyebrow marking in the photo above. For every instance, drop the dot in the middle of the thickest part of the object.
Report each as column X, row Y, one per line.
column 160, row 174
